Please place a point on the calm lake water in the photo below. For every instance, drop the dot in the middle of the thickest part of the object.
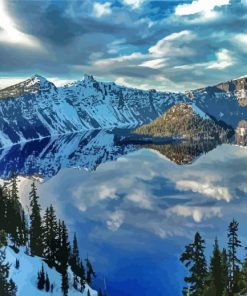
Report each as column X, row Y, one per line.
column 135, row 208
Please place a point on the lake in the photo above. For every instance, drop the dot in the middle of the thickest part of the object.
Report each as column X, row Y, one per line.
column 135, row 207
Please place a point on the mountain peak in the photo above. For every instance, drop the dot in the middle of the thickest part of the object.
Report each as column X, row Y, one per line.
column 39, row 77
column 38, row 82
column 89, row 78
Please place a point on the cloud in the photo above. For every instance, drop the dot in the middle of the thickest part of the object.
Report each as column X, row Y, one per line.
column 208, row 189
column 134, row 3
column 154, row 64
column 115, row 220
column 224, row 60
column 100, row 9
column 199, row 6
column 136, row 43
column 197, row 213
column 174, row 45
column 9, row 32
column 140, row 198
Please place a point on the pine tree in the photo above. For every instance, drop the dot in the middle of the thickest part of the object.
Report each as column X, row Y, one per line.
column 216, row 273
column 7, row 287
column 41, row 279
column 90, row 272
column 75, row 263
column 50, row 229
column 75, row 256
column 36, row 230
column 17, row 264
column 14, row 212
column 3, row 207
column 224, row 268
column 82, row 276
column 194, row 259
column 65, row 251
column 47, row 283
column 233, row 245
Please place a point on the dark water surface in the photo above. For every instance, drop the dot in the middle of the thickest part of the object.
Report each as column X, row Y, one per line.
column 134, row 215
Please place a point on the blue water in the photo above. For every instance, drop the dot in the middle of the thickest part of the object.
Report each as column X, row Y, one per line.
column 133, row 216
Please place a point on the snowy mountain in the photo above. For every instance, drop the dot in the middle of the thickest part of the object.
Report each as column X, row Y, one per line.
column 44, row 158
column 225, row 101
column 36, row 108
column 25, row 277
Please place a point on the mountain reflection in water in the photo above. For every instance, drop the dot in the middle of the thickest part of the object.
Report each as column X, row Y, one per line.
column 134, row 215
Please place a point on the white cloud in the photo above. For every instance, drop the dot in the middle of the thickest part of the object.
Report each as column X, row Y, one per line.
column 140, row 198
column 9, row 32
column 224, row 60
column 241, row 41
column 100, row 9
column 174, row 45
column 106, row 192
column 200, row 6
column 197, row 213
column 134, row 3
column 115, row 220
column 120, row 59
column 206, row 188
column 155, row 64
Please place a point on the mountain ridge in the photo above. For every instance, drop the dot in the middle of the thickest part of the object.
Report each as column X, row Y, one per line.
column 37, row 108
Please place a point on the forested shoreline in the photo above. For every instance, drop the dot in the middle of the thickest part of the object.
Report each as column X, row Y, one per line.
column 43, row 236
column 226, row 273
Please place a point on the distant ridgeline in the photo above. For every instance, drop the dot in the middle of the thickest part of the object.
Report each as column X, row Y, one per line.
column 37, row 249
column 226, row 274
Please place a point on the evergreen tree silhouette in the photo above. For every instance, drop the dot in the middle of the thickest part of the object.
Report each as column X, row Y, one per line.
column 225, row 270
column 65, row 251
column 36, row 229
column 17, row 264
column 50, row 236
column 41, row 279
column 47, row 283
column 7, row 287
column 82, row 276
column 90, row 272
column 75, row 263
column 3, row 208
column 216, row 282
column 233, row 245
column 194, row 259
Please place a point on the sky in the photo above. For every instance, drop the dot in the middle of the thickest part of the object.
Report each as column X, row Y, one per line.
column 166, row 45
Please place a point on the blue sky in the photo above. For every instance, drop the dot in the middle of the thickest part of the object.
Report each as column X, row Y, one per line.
column 167, row 45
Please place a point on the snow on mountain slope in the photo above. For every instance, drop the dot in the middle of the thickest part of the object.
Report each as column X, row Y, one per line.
column 25, row 277
column 199, row 112
column 36, row 108
column 46, row 157
column 225, row 101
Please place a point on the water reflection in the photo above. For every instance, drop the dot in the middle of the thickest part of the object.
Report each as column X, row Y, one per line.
column 46, row 157
column 241, row 133
column 135, row 215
